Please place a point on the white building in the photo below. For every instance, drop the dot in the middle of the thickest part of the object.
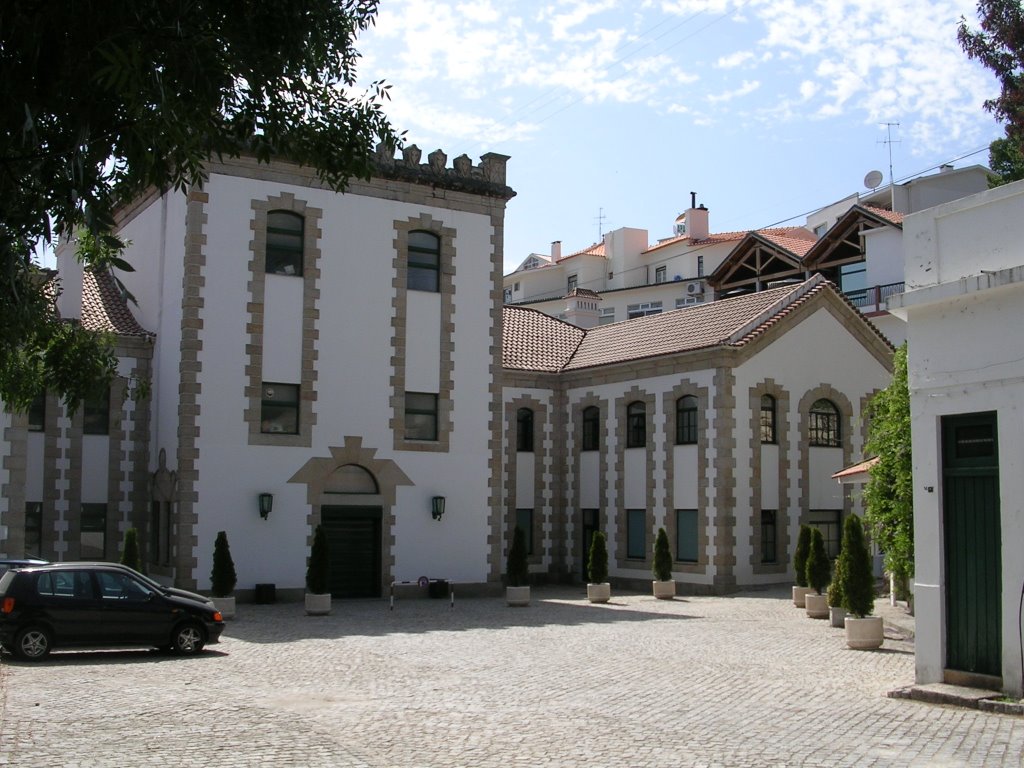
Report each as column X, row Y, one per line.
column 965, row 290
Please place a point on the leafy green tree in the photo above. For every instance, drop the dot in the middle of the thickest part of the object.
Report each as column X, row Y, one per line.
column 318, row 571
column 889, row 493
column 1006, row 159
column 803, row 549
column 597, row 566
column 518, row 564
column 818, row 568
column 662, row 557
column 858, row 586
column 222, row 577
column 130, row 551
column 999, row 45
column 105, row 100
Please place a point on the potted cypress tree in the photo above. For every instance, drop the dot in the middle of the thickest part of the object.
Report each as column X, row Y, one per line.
column 598, row 590
column 318, row 576
column 222, row 577
column 803, row 547
column 863, row 631
column 817, row 569
column 836, row 612
column 663, row 584
column 130, row 551
column 517, row 593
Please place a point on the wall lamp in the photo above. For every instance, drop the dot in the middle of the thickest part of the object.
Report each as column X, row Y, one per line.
column 266, row 504
column 437, row 507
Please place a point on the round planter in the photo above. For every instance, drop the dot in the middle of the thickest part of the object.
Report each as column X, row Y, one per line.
column 837, row 616
column 816, row 605
column 226, row 606
column 599, row 593
column 864, row 634
column 517, row 597
column 799, row 593
column 664, row 590
column 318, row 605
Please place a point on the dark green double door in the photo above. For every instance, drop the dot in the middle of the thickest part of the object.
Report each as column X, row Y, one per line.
column 354, row 541
column 972, row 533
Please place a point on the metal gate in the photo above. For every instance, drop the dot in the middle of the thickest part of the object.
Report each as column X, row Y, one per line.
column 971, row 527
column 354, row 541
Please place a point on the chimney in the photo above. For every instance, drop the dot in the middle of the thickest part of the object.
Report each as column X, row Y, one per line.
column 581, row 309
column 697, row 223
column 556, row 250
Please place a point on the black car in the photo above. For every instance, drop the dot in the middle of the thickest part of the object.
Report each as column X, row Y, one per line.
column 173, row 591
column 6, row 565
column 90, row 604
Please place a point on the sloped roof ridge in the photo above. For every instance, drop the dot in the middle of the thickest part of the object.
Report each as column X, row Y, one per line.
column 799, row 292
column 105, row 308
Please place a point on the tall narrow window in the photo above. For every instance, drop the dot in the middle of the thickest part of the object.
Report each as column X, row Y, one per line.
column 424, row 269
column 767, row 419
column 96, row 415
column 591, row 428
column 824, row 424
column 279, row 412
column 571, row 283
column 830, row 523
column 94, row 531
column 524, row 430
column 660, row 274
column 700, row 266
column 636, row 425
column 767, row 535
column 524, row 520
column 686, row 420
column 420, row 416
column 686, row 535
column 285, row 235
column 33, row 528
column 37, row 414
column 636, row 538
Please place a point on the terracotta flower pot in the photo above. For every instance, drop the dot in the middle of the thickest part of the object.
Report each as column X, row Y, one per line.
column 816, row 605
column 664, row 590
column 865, row 633
column 799, row 593
column 599, row 593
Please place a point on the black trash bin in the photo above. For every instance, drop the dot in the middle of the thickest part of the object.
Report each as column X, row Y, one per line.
column 265, row 594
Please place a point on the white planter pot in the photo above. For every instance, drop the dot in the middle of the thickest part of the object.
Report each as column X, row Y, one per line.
column 864, row 634
column 816, row 605
column 799, row 593
column 517, row 596
column 664, row 590
column 837, row 615
column 599, row 593
column 226, row 606
column 318, row 605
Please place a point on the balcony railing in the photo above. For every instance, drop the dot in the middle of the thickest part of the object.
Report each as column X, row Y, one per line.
column 871, row 299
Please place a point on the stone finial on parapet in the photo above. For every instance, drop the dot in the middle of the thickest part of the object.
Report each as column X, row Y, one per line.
column 437, row 160
column 493, row 166
column 411, row 156
column 463, row 166
column 385, row 155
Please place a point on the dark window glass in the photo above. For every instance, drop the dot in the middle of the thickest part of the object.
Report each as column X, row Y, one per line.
column 37, row 414
column 686, row 420
column 94, row 531
column 660, row 274
column 122, row 586
column 96, row 415
column 33, row 528
column 279, row 410
column 824, row 427
column 636, row 425
column 284, row 243
column 524, row 430
column 636, row 539
column 424, row 268
column 524, row 519
column 829, row 522
column 767, row 535
column 767, row 419
column 572, row 282
column 591, row 428
column 69, row 584
column 686, row 535
column 975, row 441
column 420, row 416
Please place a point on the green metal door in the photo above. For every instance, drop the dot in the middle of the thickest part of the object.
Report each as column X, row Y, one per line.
column 970, row 468
column 354, row 541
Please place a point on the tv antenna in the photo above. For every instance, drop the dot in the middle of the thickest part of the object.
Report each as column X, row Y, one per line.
column 600, row 224
column 889, row 141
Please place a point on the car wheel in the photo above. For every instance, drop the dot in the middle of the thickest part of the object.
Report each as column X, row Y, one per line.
column 188, row 639
column 32, row 643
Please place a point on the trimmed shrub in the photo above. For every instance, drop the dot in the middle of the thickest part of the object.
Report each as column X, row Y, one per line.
column 858, row 583
column 130, row 551
column 597, row 567
column 835, row 589
column 318, row 571
column 222, row 577
column 803, row 548
column 662, row 557
column 517, row 571
column 818, row 566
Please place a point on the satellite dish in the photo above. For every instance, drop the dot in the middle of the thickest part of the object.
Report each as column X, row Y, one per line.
column 873, row 179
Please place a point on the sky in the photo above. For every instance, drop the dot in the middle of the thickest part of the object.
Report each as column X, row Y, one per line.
column 614, row 111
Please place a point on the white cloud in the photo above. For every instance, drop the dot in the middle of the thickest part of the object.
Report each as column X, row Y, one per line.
column 748, row 87
column 734, row 59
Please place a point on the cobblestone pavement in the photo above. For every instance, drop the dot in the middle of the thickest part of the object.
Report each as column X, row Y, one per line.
column 698, row 681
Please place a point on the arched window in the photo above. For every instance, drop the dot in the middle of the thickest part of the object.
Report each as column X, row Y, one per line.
column 686, row 420
column 284, row 243
column 824, row 425
column 424, row 268
column 767, row 419
column 524, row 430
column 591, row 428
column 636, row 425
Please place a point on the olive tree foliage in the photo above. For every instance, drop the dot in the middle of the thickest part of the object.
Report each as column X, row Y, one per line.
column 889, row 493
column 103, row 100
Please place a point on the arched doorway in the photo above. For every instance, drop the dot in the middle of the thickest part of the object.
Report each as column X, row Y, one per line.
column 351, row 513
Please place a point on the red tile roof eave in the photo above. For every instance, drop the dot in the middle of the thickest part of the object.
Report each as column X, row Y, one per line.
column 658, row 356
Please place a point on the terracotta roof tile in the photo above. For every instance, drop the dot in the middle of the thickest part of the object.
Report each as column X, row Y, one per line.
column 798, row 241
column 885, row 213
column 104, row 308
column 727, row 237
column 533, row 341
column 597, row 249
